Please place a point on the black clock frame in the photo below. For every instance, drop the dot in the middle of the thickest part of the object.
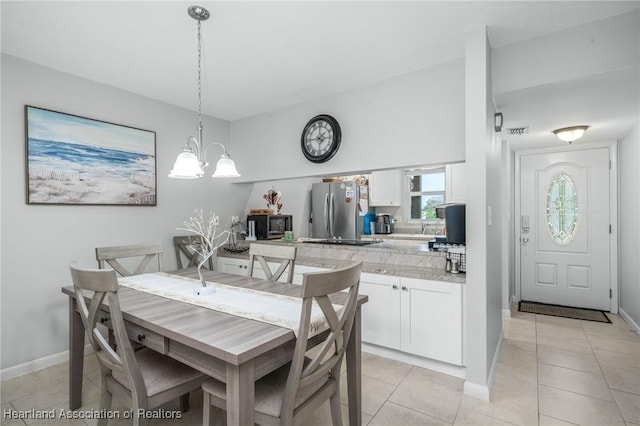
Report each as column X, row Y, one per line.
column 337, row 133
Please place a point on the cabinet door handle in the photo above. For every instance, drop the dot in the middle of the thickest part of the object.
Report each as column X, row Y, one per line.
column 103, row 320
column 395, row 287
column 404, row 288
column 141, row 337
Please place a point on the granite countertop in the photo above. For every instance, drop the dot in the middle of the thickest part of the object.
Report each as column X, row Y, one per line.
column 403, row 258
column 402, row 236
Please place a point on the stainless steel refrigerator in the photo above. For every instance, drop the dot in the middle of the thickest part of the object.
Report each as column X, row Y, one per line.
column 337, row 209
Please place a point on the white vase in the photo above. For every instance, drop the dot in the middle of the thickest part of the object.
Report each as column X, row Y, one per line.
column 204, row 291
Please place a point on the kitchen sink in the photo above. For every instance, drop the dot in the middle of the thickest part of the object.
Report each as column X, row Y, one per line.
column 344, row 242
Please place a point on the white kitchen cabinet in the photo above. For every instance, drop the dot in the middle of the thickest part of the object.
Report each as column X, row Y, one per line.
column 241, row 267
column 300, row 270
column 431, row 318
column 385, row 188
column 420, row 317
column 232, row 265
column 381, row 314
column 455, row 183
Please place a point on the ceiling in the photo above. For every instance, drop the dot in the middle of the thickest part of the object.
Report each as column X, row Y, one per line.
column 262, row 56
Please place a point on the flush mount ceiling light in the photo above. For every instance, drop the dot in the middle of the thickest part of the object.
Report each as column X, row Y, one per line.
column 191, row 161
column 570, row 134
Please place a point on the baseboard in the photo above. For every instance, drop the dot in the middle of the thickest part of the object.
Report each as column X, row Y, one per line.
column 506, row 313
column 483, row 392
column 475, row 390
column 629, row 320
column 430, row 364
column 494, row 364
column 37, row 364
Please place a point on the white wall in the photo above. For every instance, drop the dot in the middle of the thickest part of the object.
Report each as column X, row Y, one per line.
column 411, row 120
column 38, row 241
column 543, row 60
column 509, row 237
column 629, row 214
column 484, row 216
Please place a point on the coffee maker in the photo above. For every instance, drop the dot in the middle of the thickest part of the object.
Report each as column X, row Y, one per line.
column 384, row 224
column 453, row 215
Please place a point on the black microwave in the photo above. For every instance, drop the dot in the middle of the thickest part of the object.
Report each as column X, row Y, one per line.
column 270, row 226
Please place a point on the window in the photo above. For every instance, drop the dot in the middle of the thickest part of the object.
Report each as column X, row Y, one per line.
column 562, row 209
column 426, row 190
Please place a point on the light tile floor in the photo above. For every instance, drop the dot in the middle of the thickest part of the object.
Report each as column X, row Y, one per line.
column 551, row 371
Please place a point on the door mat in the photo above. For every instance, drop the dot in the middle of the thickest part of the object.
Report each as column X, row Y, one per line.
column 563, row 311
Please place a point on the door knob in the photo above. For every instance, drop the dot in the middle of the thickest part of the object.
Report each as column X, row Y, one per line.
column 525, row 240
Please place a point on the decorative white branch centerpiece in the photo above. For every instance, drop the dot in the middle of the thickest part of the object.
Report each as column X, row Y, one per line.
column 206, row 243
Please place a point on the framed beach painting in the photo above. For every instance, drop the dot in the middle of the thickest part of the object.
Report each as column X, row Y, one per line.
column 77, row 160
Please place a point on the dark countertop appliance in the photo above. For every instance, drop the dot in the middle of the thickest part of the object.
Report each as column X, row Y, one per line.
column 453, row 215
column 270, row 226
column 384, row 223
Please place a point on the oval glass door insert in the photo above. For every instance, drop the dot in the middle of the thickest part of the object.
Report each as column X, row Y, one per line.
column 562, row 209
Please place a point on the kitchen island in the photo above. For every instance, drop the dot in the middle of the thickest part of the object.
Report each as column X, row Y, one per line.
column 415, row 308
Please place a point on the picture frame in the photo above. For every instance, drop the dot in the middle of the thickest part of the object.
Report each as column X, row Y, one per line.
column 74, row 160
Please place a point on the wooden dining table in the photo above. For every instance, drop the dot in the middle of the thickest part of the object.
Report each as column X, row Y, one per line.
column 229, row 348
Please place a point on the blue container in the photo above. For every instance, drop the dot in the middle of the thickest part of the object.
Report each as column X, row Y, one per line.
column 366, row 223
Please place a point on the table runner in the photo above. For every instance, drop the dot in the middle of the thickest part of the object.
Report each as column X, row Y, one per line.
column 276, row 309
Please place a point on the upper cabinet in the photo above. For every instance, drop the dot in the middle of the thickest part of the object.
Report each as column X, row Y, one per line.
column 456, row 183
column 385, row 188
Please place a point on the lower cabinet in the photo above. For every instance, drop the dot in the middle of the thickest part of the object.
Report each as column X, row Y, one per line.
column 300, row 270
column 381, row 314
column 233, row 266
column 431, row 319
column 241, row 267
column 421, row 317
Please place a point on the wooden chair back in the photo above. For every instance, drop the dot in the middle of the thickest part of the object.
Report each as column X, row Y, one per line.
column 111, row 255
column 263, row 252
column 183, row 246
column 324, row 361
column 104, row 285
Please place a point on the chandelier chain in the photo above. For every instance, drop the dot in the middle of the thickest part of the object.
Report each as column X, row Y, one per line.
column 199, row 80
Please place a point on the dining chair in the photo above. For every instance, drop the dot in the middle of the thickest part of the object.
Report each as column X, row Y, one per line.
column 313, row 376
column 262, row 252
column 145, row 379
column 112, row 255
column 183, row 246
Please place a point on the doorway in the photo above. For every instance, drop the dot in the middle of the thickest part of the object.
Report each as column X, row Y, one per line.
column 566, row 241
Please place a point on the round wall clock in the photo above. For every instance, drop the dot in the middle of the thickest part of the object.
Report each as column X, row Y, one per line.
column 321, row 138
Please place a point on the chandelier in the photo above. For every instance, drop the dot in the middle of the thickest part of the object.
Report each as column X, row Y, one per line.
column 191, row 161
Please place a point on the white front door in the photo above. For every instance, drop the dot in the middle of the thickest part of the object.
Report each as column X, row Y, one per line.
column 565, row 228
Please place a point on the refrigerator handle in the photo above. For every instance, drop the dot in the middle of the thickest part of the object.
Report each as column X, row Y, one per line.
column 326, row 213
column 331, row 216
